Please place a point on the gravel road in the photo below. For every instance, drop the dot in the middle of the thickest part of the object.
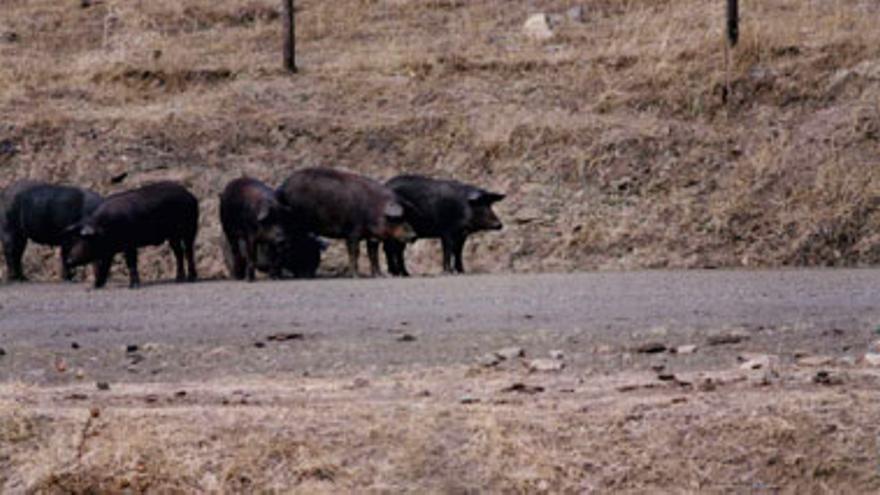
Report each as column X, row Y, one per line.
column 51, row 332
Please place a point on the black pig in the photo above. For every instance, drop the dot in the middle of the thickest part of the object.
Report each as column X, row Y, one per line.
column 301, row 255
column 126, row 221
column 444, row 209
column 344, row 205
column 40, row 212
column 253, row 218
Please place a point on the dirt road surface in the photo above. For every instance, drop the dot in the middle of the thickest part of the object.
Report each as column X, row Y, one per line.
column 396, row 385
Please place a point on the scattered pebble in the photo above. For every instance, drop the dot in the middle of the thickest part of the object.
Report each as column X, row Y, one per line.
column 728, row 338
column 650, row 348
column 824, row 377
column 104, row 386
column 74, row 345
column 872, row 359
column 536, row 27
column 557, row 355
column 80, row 374
column 282, row 337
column 77, row 396
column 180, row 393
column 766, row 379
column 2, row 352
column 757, row 362
column 523, row 388
column 131, row 348
column 259, row 344
column 94, row 412
column 406, row 338
column 489, row 360
column 815, row 361
column 510, row 353
column 151, row 398
column 846, row 361
column 666, row 377
column 60, row 365
column 685, row 349
column 467, row 399
column 545, row 365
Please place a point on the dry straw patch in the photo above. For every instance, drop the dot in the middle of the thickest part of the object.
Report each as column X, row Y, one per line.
column 613, row 131
column 323, row 436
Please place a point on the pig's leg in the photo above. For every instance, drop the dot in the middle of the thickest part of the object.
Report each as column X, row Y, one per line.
column 131, row 261
column 102, row 271
column 251, row 257
column 394, row 255
column 373, row 253
column 401, row 260
column 458, row 247
column 391, row 257
column 448, row 245
column 238, row 261
column 177, row 249
column 66, row 272
column 353, row 245
column 13, row 249
column 189, row 247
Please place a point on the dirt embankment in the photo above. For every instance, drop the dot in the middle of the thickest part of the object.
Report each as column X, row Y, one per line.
column 609, row 138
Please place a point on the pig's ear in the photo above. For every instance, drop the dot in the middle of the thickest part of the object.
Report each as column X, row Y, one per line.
column 393, row 210
column 264, row 212
column 482, row 197
column 87, row 231
column 494, row 197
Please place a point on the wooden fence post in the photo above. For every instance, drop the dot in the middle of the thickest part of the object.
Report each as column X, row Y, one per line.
column 289, row 22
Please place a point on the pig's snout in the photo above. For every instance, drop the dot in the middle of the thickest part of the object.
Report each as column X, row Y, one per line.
column 404, row 232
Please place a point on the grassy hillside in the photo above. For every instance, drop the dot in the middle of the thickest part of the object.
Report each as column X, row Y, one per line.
column 610, row 138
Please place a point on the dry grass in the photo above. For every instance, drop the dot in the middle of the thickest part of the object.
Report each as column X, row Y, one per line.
column 387, row 435
column 610, row 139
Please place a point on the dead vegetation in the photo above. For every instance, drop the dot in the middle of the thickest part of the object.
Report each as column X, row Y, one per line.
column 610, row 139
column 414, row 433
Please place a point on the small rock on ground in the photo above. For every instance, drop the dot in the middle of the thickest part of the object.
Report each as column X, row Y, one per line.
column 510, row 352
column 545, row 365
column 650, row 348
column 727, row 338
column 685, row 349
column 815, row 361
column 489, row 360
column 872, row 359
column 758, row 362
column 537, row 27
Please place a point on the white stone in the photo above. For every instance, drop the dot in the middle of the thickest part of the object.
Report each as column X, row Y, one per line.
column 872, row 359
column 538, row 27
column 686, row 349
column 546, row 365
